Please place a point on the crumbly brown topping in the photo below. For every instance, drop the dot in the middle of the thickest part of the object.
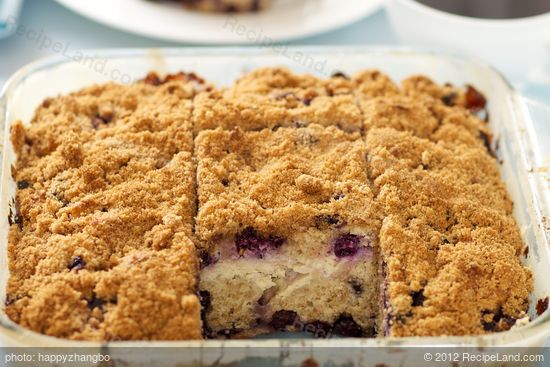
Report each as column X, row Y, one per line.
column 101, row 241
column 451, row 246
column 279, row 182
column 274, row 97
column 104, row 175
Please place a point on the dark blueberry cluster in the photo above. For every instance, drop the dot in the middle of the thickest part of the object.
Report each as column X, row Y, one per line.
column 22, row 185
column 418, row 298
column 207, row 258
column 250, row 240
column 486, row 139
column 95, row 302
column 205, row 299
column 356, row 285
column 77, row 263
column 346, row 326
column 206, row 303
column 325, row 220
column 103, row 119
column 283, row 318
column 449, row 99
column 500, row 321
column 347, row 245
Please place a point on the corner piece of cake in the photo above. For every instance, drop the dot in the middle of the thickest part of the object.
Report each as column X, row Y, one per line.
column 100, row 241
column 450, row 248
column 289, row 229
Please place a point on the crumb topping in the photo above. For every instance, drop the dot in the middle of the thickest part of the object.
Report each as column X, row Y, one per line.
column 279, row 182
column 104, row 174
column 102, row 243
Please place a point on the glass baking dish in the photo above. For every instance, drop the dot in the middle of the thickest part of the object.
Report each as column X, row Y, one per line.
column 518, row 125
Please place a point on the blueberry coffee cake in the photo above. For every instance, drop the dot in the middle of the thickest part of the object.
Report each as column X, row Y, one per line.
column 226, row 6
column 350, row 206
column 100, row 243
column 290, row 224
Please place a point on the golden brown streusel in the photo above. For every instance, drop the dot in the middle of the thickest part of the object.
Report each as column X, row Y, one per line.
column 279, row 181
column 274, row 97
column 449, row 242
column 103, row 174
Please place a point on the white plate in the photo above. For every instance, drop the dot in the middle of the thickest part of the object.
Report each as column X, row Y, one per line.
column 287, row 19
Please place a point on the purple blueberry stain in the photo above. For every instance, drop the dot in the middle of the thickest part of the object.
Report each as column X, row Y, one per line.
column 250, row 240
column 489, row 326
column 449, row 99
column 95, row 302
column 486, row 139
column 77, row 263
column 205, row 299
column 326, row 220
column 346, row 326
column 418, row 298
column 22, row 185
column 283, row 318
column 8, row 300
column 499, row 321
column 356, row 285
column 347, row 245
column 101, row 119
column 207, row 259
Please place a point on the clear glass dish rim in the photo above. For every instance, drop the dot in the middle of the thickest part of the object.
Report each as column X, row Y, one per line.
column 538, row 328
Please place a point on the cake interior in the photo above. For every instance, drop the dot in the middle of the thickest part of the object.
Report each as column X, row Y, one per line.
column 324, row 282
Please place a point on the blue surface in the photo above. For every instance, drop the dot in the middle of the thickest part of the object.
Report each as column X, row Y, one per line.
column 63, row 25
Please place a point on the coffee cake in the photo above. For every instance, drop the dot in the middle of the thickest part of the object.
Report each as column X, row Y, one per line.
column 347, row 206
column 290, row 225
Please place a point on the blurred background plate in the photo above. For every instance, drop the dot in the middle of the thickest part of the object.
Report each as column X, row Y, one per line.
column 287, row 19
column 9, row 12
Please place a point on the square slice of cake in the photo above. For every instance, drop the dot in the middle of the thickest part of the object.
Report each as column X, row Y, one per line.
column 450, row 248
column 106, row 195
column 289, row 229
column 275, row 97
